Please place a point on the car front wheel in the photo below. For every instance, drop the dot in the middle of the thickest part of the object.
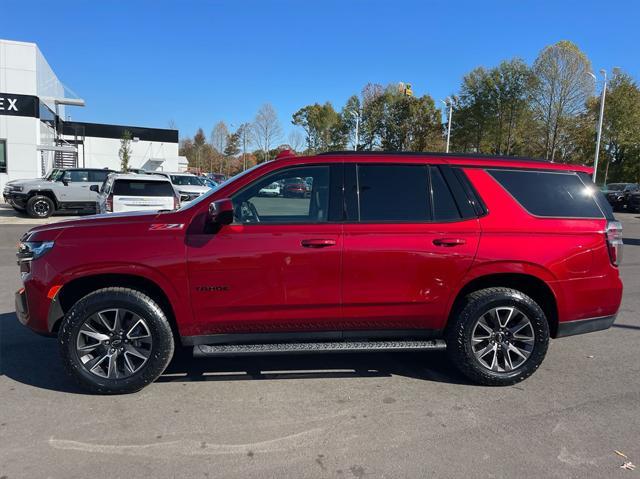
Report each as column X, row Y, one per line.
column 40, row 207
column 115, row 341
column 498, row 337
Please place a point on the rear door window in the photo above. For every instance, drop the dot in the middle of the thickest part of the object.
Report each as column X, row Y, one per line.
column 78, row 176
column 142, row 188
column 397, row 193
column 98, row 176
column 550, row 194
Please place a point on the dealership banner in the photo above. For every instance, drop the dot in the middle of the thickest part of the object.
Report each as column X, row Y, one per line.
column 12, row 104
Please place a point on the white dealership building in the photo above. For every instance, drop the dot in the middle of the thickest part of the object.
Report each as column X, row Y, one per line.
column 35, row 137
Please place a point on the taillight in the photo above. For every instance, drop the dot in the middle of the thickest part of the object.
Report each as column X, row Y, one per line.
column 614, row 241
column 110, row 203
column 176, row 202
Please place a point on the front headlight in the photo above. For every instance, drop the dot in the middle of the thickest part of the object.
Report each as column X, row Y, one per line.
column 30, row 250
column 16, row 188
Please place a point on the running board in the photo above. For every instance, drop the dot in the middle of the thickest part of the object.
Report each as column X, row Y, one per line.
column 204, row 350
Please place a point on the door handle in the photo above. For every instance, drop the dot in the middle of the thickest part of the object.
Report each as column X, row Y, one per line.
column 448, row 242
column 317, row 243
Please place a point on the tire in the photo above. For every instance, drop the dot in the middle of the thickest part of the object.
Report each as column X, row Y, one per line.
column 130, row 373
column 464, row 328
column 40, row 207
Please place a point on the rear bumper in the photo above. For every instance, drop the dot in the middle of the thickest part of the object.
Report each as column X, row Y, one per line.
column 582, row 326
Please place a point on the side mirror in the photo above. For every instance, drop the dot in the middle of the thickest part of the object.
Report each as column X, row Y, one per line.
column 221, row 212
column 95, row 188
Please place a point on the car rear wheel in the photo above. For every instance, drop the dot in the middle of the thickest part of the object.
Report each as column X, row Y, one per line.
column 115, row 341
column 40, row 207
column 498, row 337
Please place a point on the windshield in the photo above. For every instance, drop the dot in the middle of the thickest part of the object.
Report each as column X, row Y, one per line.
column 54, row 175
column 206, row 196
column 185, row 180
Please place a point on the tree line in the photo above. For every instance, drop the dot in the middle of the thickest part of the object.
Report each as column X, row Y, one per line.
column 548, row 109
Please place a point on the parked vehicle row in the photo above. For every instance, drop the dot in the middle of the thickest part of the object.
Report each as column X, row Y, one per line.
column 85, row 190
column 623, row 196
column 289, row 188
column 487, row 258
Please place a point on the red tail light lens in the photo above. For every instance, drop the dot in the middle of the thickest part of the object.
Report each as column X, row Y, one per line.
column 176, row 202
column 110, row 203
column 614, row 241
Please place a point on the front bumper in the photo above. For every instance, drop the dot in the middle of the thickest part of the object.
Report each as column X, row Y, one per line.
column 582, row 326
column 13, row 198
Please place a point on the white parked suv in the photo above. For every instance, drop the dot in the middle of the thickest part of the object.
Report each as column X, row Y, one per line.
column 273, row 189
column 133, row 192
column 187, row 185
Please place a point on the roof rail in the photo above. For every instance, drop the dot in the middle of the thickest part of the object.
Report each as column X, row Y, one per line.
column 432, row 153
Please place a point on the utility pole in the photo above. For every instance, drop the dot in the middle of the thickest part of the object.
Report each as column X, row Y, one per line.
column 244, row 147
column 599, row 135
column 356, row 114
column 448, row 102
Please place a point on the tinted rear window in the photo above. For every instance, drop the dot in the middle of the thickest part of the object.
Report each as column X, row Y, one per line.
column 444, row 206
column 541, row 193
column 142, row 188
column 394, row 193
column 98, row 176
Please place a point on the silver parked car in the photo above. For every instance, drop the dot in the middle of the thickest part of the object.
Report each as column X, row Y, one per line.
column 61, row 190
column 187, row 185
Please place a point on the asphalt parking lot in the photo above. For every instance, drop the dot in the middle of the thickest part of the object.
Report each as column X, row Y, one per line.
column 344, row 416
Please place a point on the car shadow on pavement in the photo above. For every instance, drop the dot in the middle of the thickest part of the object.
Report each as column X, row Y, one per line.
column 625, row 326
column 28, row 358
column 428, row 366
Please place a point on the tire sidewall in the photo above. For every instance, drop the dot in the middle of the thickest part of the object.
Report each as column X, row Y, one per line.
column 161, row 334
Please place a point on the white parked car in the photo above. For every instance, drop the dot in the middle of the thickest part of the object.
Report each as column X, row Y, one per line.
column 188, row 186
column 134, row 192
column 271, row 190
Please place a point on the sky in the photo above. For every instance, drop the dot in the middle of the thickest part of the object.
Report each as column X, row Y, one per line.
column 194, row 63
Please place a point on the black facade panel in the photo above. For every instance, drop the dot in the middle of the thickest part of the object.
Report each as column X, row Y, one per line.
column 99, row 130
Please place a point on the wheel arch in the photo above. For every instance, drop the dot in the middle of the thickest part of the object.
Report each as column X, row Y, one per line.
column 531, row 285
column 48, row 193
column 79, row 287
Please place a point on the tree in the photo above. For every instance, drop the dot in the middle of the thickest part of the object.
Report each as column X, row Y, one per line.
column 620, row 129
column 561, row 88
column 296, row 140
column 393, row 121
column 245, row 133
column 219, row 135
column 351, row 118
column 232, row 147
column 125, row 150
column 266, row 129
column 324, row 127
column 491, row 108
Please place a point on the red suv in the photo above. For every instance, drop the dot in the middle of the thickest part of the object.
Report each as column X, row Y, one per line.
column 487, row 257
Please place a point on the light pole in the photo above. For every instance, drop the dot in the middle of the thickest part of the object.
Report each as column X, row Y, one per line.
column 356, row 114
column 598, row 137
column 448, row 102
